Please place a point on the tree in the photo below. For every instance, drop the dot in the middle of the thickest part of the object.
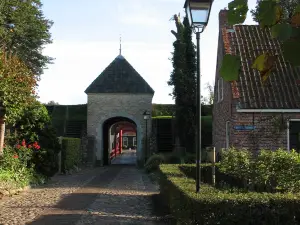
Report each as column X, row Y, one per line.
column 282, row 17
column 183, row 80
column 52, row 103
column 17, row 85
column 24, row 31
column 288, row 8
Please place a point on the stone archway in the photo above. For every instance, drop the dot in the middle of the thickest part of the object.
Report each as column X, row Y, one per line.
column 119, row 123
column 119, row 91
column 111, row 119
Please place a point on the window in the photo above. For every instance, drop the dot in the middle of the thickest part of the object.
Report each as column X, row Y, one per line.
column 125, row 141
column 227, row 134
column 220, row 89
column 134, row 141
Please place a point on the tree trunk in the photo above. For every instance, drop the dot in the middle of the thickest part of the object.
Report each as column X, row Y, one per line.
column 2, row 132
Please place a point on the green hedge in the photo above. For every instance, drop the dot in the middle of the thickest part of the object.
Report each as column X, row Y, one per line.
column 70, row 153
column 224, row 207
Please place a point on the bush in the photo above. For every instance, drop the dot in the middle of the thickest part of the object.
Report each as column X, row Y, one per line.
column 212, row 206
column 269, row 171
column 15, row 168
column 35, row 125
column 153, row 162
column 70, row 153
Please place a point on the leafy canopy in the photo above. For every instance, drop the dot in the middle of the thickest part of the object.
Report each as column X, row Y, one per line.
column 18, row 85
column 282, row 17
column 24, row 31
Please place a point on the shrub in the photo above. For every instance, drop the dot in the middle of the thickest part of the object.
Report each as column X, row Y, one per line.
column 153, row 162
column 70, row 153
column 15, row 170
column 236, row 162
column 268, row 171
column 212, row 206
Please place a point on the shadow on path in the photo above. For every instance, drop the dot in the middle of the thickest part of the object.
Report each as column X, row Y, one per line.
column 106, row 201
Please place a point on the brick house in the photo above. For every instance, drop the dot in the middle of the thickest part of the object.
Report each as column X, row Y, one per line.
column 246, row 113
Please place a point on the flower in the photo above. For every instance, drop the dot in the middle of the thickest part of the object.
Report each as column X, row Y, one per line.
column 18, row 146
column 29, row 146
column 36, row 145
column 15, row 156
column 23, row 143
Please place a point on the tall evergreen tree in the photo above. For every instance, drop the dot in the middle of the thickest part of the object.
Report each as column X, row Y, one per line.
column 24, row 31
column 183, row 80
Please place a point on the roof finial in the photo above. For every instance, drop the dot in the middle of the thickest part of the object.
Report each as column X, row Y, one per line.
column 120, row 44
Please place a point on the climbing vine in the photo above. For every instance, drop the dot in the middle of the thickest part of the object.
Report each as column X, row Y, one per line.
column 282, row 17
column 183, row 81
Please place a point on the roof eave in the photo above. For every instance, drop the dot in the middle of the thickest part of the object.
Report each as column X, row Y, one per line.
column 268, row 110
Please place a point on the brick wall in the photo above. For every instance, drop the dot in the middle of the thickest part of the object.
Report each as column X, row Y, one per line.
column 222, row 109
column 265, row 135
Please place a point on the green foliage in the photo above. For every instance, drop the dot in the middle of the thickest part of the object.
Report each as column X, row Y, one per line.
column 16, row 170
column 236, row 162
column 268, row 13
column 33, row 121
column 35, row 125
column 17, row 84
column 282, row 31
column 230, row 67
column 291, row 50
column 214, row 206
column 183, row 81
column 270, row 171
column 162, row 117
column 163, row 110
column 25, row 31
column 237, row 11
column 153, row 162
column 70, row 152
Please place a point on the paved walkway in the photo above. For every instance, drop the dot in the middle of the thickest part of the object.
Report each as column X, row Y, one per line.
column 128, row 157
column 109, row 195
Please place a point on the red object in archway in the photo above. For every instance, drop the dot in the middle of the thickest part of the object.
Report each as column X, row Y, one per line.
column 121, row 141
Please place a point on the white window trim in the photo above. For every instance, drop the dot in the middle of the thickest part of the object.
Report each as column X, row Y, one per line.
column 227, row 134
column 125, row 139
column 220, row 89
column 288, row 133
column 134, row 141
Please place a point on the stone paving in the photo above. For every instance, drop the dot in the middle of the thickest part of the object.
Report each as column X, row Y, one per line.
column 128, row 157
column 23, row 208
column 109, row 195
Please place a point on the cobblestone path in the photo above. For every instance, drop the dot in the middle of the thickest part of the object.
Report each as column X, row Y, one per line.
column 109, row 195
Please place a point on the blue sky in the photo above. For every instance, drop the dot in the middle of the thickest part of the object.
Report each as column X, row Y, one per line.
column 86, row 39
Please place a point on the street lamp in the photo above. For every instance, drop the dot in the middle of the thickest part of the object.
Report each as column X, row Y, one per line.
column 146, row 115
column 198, row 12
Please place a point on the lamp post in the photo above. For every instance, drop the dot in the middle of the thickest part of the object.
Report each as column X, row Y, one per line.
column 146, row 115
column 198, row 12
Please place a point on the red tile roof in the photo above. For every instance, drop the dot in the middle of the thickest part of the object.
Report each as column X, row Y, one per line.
column 281, row 91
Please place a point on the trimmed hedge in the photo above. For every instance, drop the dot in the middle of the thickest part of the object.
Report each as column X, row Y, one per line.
column 214, row 206
column 70, row 153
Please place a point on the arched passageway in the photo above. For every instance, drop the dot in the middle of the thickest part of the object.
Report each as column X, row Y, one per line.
column 119, row 141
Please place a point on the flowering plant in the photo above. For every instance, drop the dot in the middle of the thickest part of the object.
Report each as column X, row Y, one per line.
column 26, row 151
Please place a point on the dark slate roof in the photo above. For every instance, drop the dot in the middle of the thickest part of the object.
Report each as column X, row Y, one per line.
column 119, row 77
column 281, row 90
